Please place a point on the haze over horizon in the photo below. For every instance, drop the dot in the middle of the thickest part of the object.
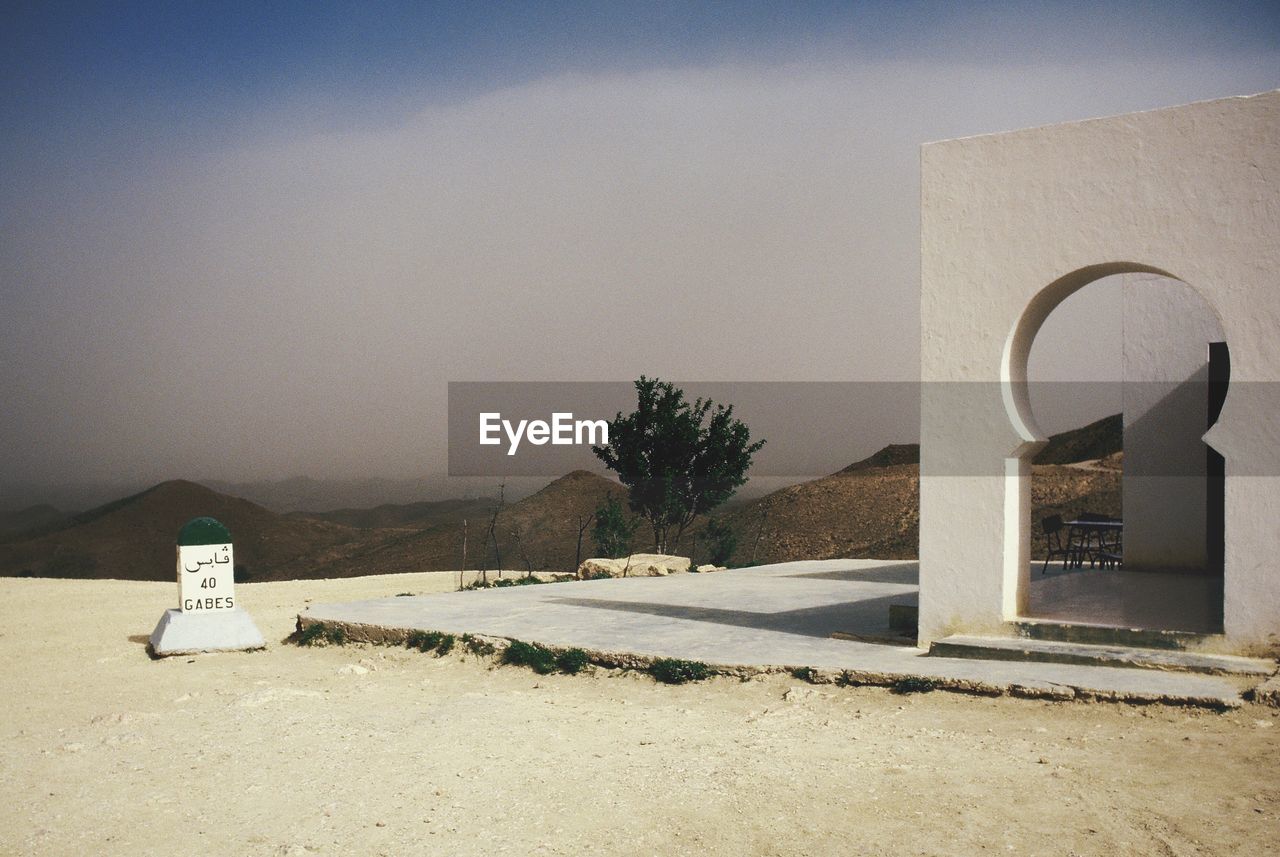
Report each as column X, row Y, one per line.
column 247, row 245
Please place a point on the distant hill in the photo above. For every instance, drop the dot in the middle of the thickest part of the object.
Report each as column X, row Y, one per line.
column 538, row 532
column 23, row 522
column 305, row 494
column 133, row 538
column 872, row 507
column 893, row 454
column 1096, row 440
column 868, row 509
column 1067, row 491
column 862, row 511
column 415, row 516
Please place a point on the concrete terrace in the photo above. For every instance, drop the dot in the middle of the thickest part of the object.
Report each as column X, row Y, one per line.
column 1127, row 599
column 771, row 617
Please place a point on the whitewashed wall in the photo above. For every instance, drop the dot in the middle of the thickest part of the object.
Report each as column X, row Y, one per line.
column 1012, row 224
column 1166, row 331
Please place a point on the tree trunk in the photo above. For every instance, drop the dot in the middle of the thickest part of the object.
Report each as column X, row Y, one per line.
column 764, row 513
column 462, row 571
column 583, row 524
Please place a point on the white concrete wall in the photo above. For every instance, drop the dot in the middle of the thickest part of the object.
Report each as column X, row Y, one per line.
column 1166, row 331
column 1013, row 223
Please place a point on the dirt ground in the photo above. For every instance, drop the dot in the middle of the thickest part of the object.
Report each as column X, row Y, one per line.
column 296, row 751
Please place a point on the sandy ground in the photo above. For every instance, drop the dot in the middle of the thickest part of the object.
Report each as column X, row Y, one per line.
column 291, row 751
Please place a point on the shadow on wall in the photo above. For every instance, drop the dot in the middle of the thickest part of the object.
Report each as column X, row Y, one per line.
column 1167, row 492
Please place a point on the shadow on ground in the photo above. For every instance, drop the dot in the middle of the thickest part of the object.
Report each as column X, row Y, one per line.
column 862, row 617
column 906, row 573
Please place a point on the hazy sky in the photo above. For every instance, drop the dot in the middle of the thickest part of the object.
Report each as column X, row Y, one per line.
column 253, row 243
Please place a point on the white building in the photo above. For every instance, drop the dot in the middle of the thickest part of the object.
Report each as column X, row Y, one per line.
column 1012, row 224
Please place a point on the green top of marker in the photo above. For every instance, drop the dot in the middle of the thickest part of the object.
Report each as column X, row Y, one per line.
column 203, row 531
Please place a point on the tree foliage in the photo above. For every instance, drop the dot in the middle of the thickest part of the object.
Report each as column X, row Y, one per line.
column 721, row 540
column 677, row 459
column 613, row 530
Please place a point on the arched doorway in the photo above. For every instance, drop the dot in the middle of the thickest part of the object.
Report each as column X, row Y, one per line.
column 1165, row 569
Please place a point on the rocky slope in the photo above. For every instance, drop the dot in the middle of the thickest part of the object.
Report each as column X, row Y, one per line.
column 133, row 538
column 869, row 509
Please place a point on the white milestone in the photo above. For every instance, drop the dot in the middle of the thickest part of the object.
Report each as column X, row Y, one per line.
column 206, row 578
column 207, row 618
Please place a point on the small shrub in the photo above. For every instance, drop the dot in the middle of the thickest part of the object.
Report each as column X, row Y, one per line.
column 572, row 661
column 310, row 635
column 528, row 580
column 803, row 673
column 542, row 660
column 914, row 684
column 721, row 541
column 319, row 632
column 599, row 574
column 426, row 641
column 537, row 658
column 676, row 671
column 477, row 646
column 613, row 530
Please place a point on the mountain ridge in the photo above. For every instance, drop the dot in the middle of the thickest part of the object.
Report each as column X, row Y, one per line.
column 869, row 508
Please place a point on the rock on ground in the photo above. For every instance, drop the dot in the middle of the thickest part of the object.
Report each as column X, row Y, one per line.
column 636, row 565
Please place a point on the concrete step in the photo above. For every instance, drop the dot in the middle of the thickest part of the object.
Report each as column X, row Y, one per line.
column 1107, row 635
column 1051, row 651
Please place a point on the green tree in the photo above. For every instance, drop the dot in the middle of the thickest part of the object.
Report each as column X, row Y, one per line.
column 721, row 541
column 613, row 529
column 678, row 460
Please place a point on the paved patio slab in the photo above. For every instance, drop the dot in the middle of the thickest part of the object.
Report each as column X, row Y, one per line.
column 1127, row 599
column 770, row 617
